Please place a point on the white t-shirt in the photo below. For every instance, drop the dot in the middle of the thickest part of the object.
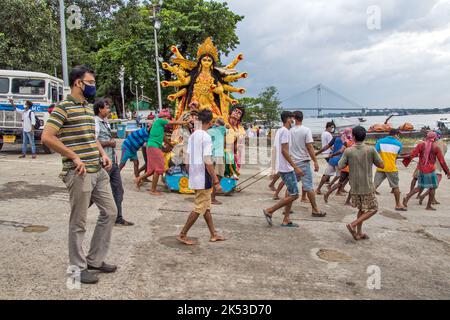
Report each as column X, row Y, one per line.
column 326, row 139
column 300, row 136
column 199, row 146
column 282, row 136
column 28, row 122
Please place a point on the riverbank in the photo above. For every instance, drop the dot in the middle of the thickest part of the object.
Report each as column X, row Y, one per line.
column 320, row 260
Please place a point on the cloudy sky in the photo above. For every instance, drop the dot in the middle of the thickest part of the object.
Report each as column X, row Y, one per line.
column 401, row 59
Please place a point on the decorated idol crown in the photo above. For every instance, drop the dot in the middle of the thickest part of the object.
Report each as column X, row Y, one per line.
column 207, row 47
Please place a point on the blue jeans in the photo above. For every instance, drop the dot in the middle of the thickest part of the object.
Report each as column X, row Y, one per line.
column 290, row 180
column 307, row 178
column 28, row 138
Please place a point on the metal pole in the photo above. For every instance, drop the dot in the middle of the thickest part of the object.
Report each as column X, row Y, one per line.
column 137, row 100
column 318, row 101
column 62, row 22
column 158, row 81
column 122, row 85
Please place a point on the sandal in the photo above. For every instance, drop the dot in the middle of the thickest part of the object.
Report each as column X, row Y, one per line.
column 268, row 217
column 290, row 225
column 320, row 214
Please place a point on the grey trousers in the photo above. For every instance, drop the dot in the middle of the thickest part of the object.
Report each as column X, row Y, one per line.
column 95, row 186
column 117, row 189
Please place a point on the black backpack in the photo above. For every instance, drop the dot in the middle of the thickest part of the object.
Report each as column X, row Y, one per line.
column 37, row 122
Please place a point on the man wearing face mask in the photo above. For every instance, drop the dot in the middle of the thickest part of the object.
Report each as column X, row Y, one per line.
column 70, row 131
column 29, row 120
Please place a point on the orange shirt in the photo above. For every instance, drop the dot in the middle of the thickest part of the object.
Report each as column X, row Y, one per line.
column 347, row 144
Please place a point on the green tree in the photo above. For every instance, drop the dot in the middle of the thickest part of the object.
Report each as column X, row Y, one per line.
column 127, row 38
column 112, row 33
column 187, row 23
column 270, row 105
column 265, row 107
column 252, row 109
column 27, row 33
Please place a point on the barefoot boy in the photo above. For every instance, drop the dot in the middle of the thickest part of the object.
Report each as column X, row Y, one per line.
column 360, row 159
column 202, row 178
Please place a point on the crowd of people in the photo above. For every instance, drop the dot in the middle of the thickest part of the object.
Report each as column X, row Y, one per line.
column 351, row 161
column 91, row 170
column 92, row 167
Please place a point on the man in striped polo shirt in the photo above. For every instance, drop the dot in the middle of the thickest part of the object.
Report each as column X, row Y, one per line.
column 70, row 131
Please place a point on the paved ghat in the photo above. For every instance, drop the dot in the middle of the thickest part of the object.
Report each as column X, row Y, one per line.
column 408, row 255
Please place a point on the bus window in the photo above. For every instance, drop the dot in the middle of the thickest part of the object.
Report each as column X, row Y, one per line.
column 60, row 94
column 28, row 86
column 54, row 94
column 4, row 85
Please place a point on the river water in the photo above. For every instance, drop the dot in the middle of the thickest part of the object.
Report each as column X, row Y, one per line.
column 318, row 125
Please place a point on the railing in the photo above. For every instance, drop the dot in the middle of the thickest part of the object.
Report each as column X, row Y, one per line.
column 10, row 119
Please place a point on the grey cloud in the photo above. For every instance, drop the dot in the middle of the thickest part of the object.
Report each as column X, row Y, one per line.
column 297, row 44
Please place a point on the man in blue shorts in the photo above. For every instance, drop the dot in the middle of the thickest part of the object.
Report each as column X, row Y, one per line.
column 288, row 171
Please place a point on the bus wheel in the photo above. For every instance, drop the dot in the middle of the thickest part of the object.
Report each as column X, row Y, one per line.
column 47, row 150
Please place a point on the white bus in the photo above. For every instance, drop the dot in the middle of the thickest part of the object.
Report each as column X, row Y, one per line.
column 40, row 88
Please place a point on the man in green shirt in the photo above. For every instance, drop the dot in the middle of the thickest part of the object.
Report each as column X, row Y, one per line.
column 218, row 133
column 70, row 131
column 360, row 158
column 155, row 155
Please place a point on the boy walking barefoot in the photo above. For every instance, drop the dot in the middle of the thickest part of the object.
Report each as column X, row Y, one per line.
column 360, row 159
column 202, row 178
column 288, row 171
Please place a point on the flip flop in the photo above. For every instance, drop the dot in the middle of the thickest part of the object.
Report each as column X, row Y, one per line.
column 401, row 209
column 353, row 233
column 290, row 225
column 268, row 217
column 320, row 214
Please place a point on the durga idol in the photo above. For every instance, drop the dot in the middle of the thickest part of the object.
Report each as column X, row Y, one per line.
column 203, row 81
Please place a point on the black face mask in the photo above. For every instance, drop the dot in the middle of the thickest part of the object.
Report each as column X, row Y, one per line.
column 89, row 91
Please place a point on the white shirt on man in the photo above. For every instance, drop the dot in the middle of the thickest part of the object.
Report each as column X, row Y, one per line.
column 326, row 139
column 300, row 137
column 28, row 119
column 282, row 136
column 199, row 147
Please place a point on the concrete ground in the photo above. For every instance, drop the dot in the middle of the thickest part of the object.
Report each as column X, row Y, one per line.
column 320, row 260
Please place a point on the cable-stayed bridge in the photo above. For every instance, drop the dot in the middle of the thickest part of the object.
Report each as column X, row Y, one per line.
column 321, row 98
